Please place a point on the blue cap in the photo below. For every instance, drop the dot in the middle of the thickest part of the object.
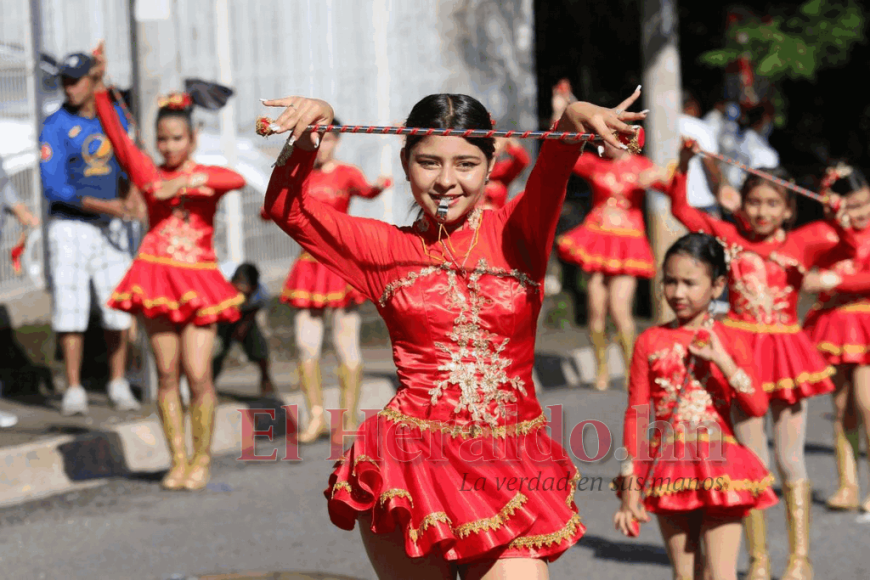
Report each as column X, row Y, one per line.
column 76, row 65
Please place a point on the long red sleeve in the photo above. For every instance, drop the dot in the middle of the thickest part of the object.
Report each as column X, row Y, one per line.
column 136, row 163
column 358, row 185
column 223, row 180
column 353, row 247
column 639, row 399
column 533, row 216
column 821, row 242
column 857, row 283
column 754, row 403
column 694, row 219
column 509, row 169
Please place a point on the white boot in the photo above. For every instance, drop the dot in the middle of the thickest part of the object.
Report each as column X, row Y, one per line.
column 75, row 401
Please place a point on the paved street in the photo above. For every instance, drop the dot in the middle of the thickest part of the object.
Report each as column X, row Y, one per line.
column 272, row 517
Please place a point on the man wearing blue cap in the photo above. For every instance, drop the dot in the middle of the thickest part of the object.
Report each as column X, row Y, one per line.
column 87, row 241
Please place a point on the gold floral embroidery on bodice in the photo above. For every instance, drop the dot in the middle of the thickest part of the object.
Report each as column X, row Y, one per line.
column 671, row 374
column 476, row 361
column 182, row 240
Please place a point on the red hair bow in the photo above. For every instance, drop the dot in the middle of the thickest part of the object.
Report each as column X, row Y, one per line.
column 175, row 101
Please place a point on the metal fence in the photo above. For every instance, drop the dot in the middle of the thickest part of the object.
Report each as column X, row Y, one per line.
column 372, row 59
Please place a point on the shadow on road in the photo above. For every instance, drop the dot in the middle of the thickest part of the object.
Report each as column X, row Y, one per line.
column 627, row 551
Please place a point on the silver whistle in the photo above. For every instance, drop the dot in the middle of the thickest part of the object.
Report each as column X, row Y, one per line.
column 443, row 206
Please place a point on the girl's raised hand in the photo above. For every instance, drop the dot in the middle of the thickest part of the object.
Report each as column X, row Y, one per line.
column 588, row 118
column 689, row 149
column 300, row 112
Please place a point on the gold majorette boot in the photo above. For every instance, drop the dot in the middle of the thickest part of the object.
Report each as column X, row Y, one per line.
column 599, row 346
column 755, row 530
column 626, row 341
column 350, row 383
column 312, row 388
column 798, row 498
column 846, row 496
column 202, row 412
column 172, row 419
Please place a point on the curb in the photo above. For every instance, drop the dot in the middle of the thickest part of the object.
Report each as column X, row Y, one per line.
column 61, row 464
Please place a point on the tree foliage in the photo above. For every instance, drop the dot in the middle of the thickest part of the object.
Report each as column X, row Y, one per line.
column 795, row 43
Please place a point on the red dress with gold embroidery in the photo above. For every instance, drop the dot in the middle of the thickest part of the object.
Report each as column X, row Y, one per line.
column 175, row 274
column 310, row 284
column 508, row 166
column 764, row 282
column 701, row 465
column 612, row 238
column 839, row 321
column 439, row 460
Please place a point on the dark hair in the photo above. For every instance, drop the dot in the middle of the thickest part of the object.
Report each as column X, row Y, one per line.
column 850, row 183
column 752, row 181
column 185, row 115
column 247, row 273
column 449, row 111
column 704, row 248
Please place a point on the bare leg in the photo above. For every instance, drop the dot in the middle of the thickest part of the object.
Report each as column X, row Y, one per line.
column 681, row 533
column 861, row 381
column 621, row 291
column 197, row 343
column 116, row 347
column 789, row 438
column 507, row 569
column 72, row 344
column 596, row 294
column 387, row 554
column 721, row 546
column 166, row 344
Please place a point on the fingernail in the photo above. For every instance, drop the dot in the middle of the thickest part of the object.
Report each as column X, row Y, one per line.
column 263, row 100
column 291, row 140
column 275, row 127
column 601, row 150
column 636, row 128
column 623, row 146
column 316, row 139
column 637, row 89
column 644, row 112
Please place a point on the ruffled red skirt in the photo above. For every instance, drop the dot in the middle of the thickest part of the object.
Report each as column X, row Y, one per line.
column 789, row 365
column 841, row 334
column 613, row 254
column 182, row 294
column 310, row 284
column 731, row 483
column 466, row 499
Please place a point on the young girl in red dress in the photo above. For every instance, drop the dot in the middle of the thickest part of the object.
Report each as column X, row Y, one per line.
column 767, row 268
column 611, row 246
column 510, row 160
column 460, row 295
column 839, row 325
column 174, row 281
column 693, row 474
column 315, row 290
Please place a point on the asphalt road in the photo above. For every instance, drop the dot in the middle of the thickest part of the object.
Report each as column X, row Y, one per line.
column 271, row 516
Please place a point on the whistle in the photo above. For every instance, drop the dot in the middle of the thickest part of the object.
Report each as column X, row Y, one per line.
column 443, row 206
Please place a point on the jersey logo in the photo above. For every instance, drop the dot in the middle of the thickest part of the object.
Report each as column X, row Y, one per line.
column 45, row 152
column 97, row 153
column 73, row 133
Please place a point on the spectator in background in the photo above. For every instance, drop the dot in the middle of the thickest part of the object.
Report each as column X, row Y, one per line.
column 246, row 331
column 704, row 177
column 87, row 243
column 10, row 203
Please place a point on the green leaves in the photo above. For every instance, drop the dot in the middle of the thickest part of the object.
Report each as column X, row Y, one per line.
column 794, row 44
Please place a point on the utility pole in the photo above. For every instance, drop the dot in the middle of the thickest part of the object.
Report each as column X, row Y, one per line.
column 663, row 97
